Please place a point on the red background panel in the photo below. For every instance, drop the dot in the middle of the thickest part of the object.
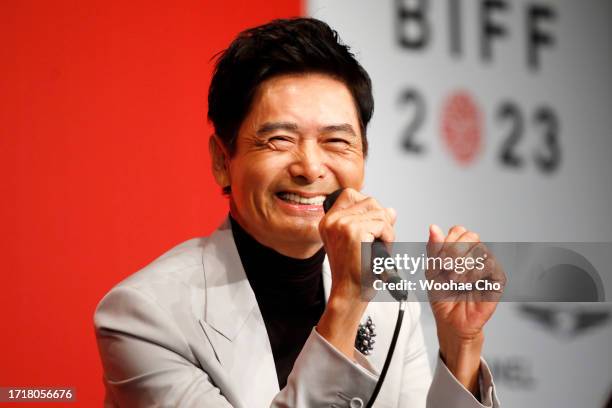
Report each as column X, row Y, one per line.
column 104, row 162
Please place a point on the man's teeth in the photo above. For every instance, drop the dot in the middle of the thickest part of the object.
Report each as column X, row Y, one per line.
column 298, row 199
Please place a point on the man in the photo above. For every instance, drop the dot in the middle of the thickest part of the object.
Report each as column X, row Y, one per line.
column 265, row 311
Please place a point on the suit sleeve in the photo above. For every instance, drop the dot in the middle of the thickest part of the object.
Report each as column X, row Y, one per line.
column 444, row 389
column 324, row 377
column 147, row 362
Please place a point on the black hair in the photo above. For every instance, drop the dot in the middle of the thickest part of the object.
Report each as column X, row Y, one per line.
column 285, row 46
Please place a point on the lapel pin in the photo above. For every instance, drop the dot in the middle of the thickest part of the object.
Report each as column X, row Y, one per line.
column 364, row 342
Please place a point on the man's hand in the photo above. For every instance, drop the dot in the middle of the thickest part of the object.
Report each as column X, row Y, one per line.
column 353, row 219
column 461, row 316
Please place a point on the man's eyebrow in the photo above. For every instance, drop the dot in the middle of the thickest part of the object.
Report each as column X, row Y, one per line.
column 293, row 127
column 272, row 126
column 344, row 127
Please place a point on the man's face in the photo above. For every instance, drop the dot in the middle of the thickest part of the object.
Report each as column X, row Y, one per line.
column 300, row 142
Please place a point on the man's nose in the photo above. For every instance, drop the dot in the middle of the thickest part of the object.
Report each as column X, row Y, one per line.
column 309, row 164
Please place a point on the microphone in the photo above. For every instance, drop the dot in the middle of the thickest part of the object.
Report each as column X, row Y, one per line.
column 379, row 250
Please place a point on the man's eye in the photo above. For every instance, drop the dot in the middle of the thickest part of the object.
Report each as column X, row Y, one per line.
column 279, row 142
column 279, row 138
column 338, row 140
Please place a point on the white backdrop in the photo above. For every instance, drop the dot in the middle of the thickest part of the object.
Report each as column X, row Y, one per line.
column 467, row 120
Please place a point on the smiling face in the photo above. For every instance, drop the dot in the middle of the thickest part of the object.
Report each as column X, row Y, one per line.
column 300, row 141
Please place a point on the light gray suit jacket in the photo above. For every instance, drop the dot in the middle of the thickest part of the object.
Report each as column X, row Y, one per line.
column 186, row 331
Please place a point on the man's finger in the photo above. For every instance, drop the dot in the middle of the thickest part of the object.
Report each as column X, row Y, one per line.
column 347, row 198
column 436, row 240
column 463, row 245
column 454, row 233
column 449, row 243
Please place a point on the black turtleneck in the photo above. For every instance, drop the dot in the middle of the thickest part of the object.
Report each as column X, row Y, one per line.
column 289, row 293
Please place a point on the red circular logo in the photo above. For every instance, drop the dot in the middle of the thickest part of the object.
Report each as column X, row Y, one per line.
column 461, row 127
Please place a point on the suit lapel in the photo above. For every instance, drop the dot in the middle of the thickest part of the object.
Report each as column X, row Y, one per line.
column 234, row 325
column 233, row 322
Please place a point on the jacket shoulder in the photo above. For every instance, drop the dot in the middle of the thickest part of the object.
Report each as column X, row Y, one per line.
column 182, row 263
column 175, row 278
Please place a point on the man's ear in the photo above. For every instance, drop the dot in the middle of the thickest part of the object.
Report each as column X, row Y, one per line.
column 220, row 161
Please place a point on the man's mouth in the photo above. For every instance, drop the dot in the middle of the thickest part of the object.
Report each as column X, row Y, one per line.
column 298, row 199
